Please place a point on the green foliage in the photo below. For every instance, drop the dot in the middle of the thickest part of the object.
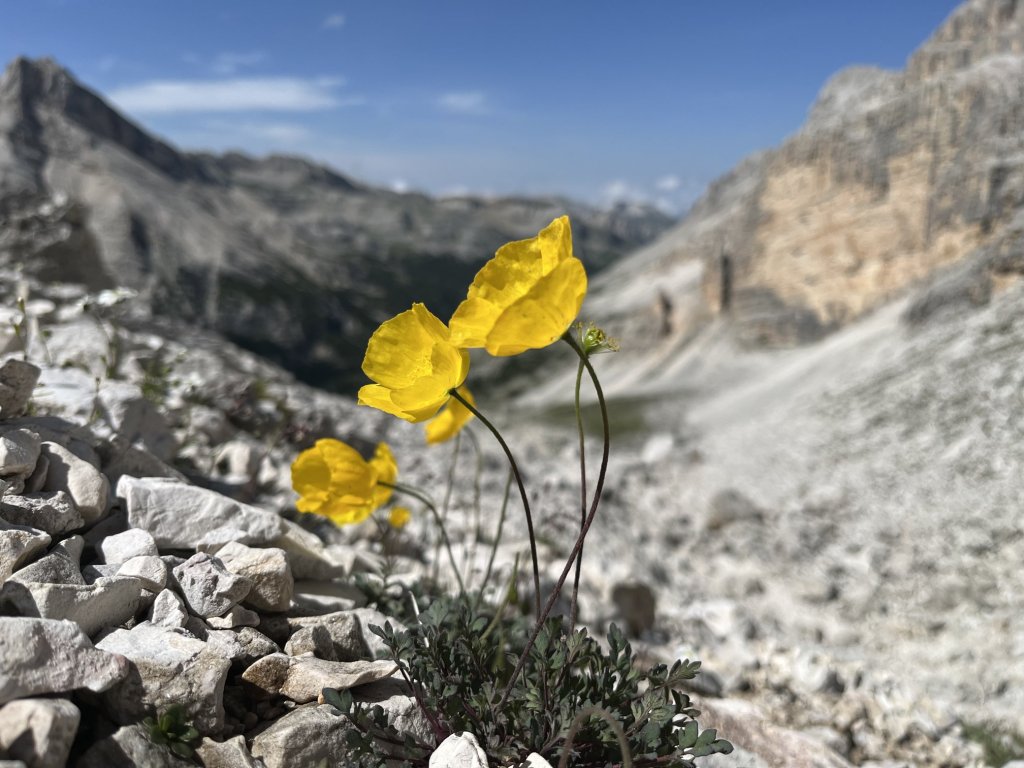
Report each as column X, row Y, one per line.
column 459, row 662
column 157, row 380
column 172, row 731
column 1001, row 746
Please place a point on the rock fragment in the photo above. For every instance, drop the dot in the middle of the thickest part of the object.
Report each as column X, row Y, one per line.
column 86, row 485
column 180, row 516
column 126, row 545
column 19, row 452
column 460, row 750
column 131, row 745
column 306, row 736
column 39, row 656
column 167, row 667
column 267, row 569
column 302, row 678
column 17, row 380
column 19, row 544
column 208, row 587
column 39, row 732
column 52, row 512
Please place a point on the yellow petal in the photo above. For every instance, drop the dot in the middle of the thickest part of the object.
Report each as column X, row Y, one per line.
column 399, row 516
column 414, row 365
column 376, row 396
column 386, row 470
column 525, row 297
column 542, row 316
column 449, row 421
column 398, row 352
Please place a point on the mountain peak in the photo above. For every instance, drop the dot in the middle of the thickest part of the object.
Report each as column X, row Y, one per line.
column 976, row 30
column 30, row 80
column 31, row 87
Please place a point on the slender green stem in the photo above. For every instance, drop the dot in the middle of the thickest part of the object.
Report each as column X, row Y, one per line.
column 448, row 496
column 522, row 490
column 497, row 540
column 425, row 500
column 574, row 605
column 578, row 547
column 477, row 495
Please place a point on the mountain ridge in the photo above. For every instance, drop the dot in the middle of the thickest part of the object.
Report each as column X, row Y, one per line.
column 283, row 256
column 896, row 180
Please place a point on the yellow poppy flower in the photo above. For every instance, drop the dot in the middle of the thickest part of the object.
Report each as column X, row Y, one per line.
column 450, row 420
column 525, row 297
column 399, row 517
column 333, row 480
column 414, row 364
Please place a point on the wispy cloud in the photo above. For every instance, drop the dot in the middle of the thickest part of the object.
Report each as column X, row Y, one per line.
column 226, row 63
column 277, row 94
column 668, row 183
column 229, row 63
column 334, row 21
column 464, row 102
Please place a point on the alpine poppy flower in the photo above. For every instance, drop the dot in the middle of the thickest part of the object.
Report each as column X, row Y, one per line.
column 334, row 480
column 450, row 420
column 526, row 297
column 414, row 364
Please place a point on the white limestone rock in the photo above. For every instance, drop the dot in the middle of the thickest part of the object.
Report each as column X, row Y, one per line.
column 167, row 667
column 53, row 512
column 311, row 735
column 38, row 732
column 180, row 516
column 17, row 380
column 302, row 678
column 18, row 545
column 40, row 656
column 106, row 603
column 460, row 750
column 87, row 486
column 150, row 571
column 208, row 587
column 19, row 452
column 267, row 569
column 126, row 545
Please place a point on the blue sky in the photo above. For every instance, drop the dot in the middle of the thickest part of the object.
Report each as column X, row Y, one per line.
column 593, row 99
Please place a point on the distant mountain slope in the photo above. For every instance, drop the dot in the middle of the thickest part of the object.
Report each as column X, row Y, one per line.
column 896, row 179
column 283, row 256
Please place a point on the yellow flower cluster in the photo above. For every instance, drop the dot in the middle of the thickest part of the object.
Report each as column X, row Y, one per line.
column 526, row 297
column 333, row 480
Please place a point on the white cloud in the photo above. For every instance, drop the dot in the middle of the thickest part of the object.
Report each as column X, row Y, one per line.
column 334, row 21
column 278, row 94
column 401, row 186
column 668, row 183
column 229, row 63
column 621, row 191
column 464, row 102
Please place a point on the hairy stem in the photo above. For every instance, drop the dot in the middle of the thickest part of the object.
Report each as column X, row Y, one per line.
column 522, row 491
column 573, row 605
column 578, row 547
column 409, row 491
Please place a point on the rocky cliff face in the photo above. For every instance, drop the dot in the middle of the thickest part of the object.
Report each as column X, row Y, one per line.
column 285, row 257
column 894, row 178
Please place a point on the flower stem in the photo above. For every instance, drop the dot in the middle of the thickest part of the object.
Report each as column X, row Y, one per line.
column 578, row 547
column 497, row 541
column 409, row 491
column 573, row 605
column 522, row 491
